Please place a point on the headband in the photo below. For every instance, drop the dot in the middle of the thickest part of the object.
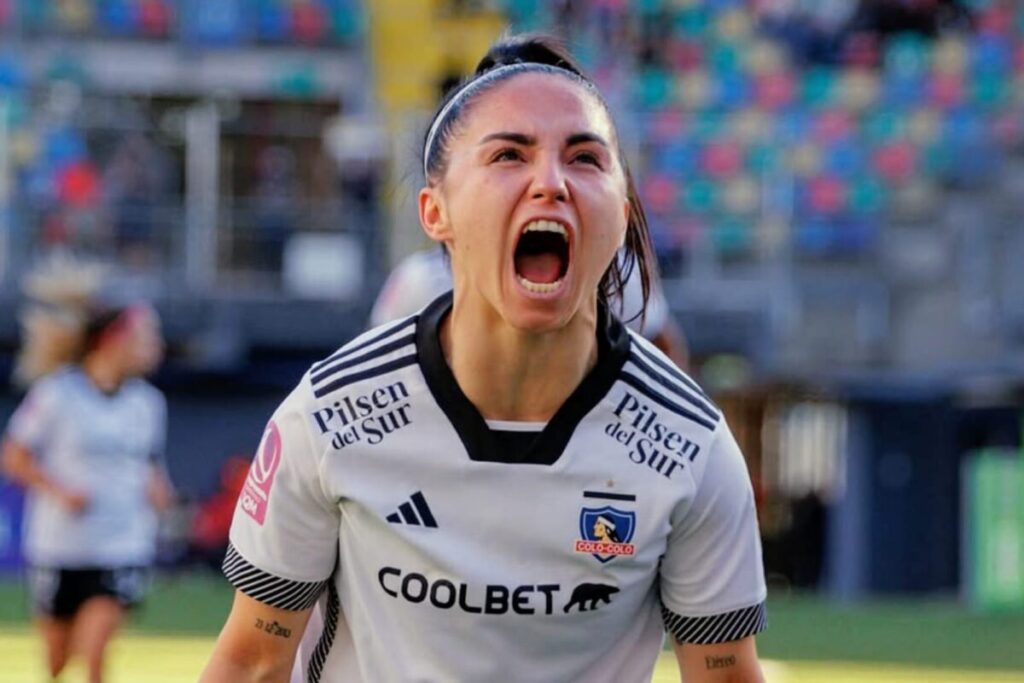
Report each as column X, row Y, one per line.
column 487, row 77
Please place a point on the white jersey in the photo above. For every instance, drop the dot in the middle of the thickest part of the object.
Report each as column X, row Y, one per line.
column 423, row 276
column 440, row 549
column 102, row 445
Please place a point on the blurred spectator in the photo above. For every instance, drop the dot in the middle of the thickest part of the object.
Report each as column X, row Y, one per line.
column 208, row 536
column 811, row 29
column 275, row 197
column 924, row 17
column 819, row 31
column 134, row 181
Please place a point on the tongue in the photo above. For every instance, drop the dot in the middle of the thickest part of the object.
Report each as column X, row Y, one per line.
column 540, row 268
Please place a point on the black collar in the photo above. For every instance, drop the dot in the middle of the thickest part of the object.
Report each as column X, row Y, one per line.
column 480, row 442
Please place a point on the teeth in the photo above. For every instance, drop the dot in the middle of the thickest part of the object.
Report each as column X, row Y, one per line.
column 547, row 226
column 539, row 287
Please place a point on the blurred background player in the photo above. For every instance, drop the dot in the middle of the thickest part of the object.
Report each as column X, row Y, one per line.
column 424, row 275
column 87, row 444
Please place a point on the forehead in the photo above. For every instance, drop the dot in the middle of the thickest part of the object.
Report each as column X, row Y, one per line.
column 536, row 103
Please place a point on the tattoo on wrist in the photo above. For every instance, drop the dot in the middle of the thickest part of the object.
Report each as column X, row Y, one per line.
column 273, row 628
column 720, row 662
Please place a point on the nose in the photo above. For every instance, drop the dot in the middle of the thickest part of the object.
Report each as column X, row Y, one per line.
column 549, row 179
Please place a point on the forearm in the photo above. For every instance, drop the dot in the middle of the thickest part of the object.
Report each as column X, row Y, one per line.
column 224, row 668
column 21, row 467
column 159, row 489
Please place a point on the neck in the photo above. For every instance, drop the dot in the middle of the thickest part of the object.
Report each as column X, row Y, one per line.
column 103, row 372
column 510, row 374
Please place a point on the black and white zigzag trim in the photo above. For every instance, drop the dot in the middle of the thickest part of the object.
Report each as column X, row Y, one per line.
column 718, row 628
column 323, row 646
column 327, row 375
column 267, row 588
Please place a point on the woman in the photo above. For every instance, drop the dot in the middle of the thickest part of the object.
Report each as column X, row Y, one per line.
column 434, row 486
column 87, row 444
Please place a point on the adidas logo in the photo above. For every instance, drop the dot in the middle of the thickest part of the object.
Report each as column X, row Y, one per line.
column 414, row 512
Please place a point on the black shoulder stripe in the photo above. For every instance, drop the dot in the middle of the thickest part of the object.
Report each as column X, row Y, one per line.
column 664, row 381
column 643, row 387
column 268, row 588
column 323, row 646
column 350, row 361
column 718, row 628
column 349, row 350
column 671, row 370
column 368, row 373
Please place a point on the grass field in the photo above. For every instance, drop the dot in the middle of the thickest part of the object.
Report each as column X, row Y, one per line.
column 808, row 641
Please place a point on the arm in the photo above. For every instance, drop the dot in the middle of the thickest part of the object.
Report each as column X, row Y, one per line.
column 21, row 467
column 257, row 644
column 712, row 581
column 282, row 552
column 159, row 490
column 732, row 662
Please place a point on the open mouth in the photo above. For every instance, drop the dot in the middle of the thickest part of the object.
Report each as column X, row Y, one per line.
column 542, row 256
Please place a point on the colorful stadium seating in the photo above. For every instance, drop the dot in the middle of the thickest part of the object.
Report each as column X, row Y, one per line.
column 866, row 140
column 726, row 119
column 224, row 22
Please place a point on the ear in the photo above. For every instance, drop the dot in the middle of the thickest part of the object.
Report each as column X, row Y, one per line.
column 433, row 216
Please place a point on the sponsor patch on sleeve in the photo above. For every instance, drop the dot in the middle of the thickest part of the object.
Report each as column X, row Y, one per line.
column 256, row 492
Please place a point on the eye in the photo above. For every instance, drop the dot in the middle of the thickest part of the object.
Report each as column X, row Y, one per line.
column 507, row 154
column 588, row 158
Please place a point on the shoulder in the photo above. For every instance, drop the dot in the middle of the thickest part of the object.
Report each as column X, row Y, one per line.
column 652, row 373
column 61, row 377
column 668, row 411
column 147, row 392
column 55, row 384
column 376, row 353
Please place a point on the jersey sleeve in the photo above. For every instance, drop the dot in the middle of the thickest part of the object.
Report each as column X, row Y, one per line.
column 284, row 535
column 712, row 576
column 32, row 422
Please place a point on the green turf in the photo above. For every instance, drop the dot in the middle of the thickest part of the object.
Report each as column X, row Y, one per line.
column 940, row 634
column 184, row 603
column 926, row 633
column 138, row 658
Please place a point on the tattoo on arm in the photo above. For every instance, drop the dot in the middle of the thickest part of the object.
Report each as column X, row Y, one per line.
column 720, row 662
column 273, row 628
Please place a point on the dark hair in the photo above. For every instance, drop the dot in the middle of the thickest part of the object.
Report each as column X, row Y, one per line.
column 100, row 320
column 537, row 53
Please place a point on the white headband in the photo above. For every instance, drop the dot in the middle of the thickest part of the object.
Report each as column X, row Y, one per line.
column 460, row 94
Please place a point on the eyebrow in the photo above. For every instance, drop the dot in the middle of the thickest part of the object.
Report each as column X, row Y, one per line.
column 518, row 138
column 529, row 140
column 583, row 138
